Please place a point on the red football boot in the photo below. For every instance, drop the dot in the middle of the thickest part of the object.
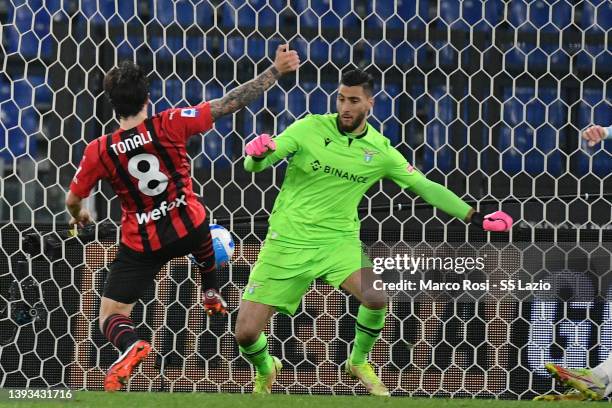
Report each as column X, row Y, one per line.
column 119, row 373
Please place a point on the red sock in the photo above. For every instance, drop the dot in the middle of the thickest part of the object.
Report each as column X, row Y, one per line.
column 119, row 330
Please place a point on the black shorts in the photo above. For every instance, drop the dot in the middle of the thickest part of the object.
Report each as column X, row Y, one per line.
column 132, row 272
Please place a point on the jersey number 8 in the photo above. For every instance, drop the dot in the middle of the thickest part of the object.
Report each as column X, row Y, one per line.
column 145, row 168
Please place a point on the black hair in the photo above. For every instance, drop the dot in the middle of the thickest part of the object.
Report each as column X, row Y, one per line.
column 127, row 88
column 357, row 77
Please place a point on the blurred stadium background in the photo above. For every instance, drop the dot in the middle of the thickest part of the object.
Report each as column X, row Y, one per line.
column 487, row 97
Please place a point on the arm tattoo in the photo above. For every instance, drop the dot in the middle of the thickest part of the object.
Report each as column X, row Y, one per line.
column 243, row 95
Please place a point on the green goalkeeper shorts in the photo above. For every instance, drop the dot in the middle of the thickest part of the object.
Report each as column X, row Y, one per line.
column 281, row 276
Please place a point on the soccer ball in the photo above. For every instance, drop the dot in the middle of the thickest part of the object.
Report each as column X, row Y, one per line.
column 223, row 244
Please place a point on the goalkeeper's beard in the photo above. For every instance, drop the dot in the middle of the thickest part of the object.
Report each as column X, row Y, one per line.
column 353, row 125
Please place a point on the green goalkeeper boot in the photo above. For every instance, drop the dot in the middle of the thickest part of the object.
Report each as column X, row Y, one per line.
column 365, row 373
column 263, row 383
column 570, row 395
column 580, row 379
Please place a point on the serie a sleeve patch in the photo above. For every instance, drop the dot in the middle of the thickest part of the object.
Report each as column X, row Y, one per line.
column 189, row 113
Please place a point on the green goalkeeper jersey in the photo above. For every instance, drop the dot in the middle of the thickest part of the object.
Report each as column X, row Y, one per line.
column 329, row 171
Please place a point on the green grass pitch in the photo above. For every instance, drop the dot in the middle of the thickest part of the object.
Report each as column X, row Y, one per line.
column 87, row 399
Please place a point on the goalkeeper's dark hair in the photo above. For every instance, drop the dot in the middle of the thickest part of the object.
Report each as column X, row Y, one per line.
column 358, row 77
column 127, row 88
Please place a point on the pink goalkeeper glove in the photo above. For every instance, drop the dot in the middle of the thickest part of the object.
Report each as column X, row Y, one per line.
column 259, row 146
column 498, row 221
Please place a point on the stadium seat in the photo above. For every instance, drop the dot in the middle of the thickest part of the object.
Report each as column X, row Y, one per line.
column 385, row 10
column 258, row 4
column 596, row 17
column 21, row 123
column 517, row 13
column 407, row 10
column 450, row 11
column 309, row 19
column 341, row 51
column 435, row 153
column 184, row 15
column 404, row 54
column 383, row 112
column 471, row 11
column 156, row 93
column 126, row 49
column 516, row 57
column 515, row 134
column 22, row 93
column 163, row 53
column 174, row 91
column 276, row 5
column 341, row 8
column 561, row 15
column 126, row 10
column 165, row 12
column 246, row 17
column 226, row 15
column 383, row 107
column 194, row 44
column 275, row 100
column 256, row 48
column 235, row 47
column 545, row 135
column 317, row 100
column 52, row 6
column 267, row 18
column 99, row 12
column 5, row 88
column 7, row 113
column 596, row 12
column 21, row 38
column 538, row 15
column 376, row 20
column 318, row 51
column 204, row 15
column 171, row 44
column 350, row 21
column 194, row 91
column 494, row 12
column 383, row 53
column 213, row 143
column 213, row 46
column 296, row 102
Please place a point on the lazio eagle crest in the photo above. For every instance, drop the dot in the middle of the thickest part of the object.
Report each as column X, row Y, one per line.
column 368, row 155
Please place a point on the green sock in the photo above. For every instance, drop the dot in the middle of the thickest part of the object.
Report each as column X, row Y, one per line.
column 370, row 323
column 257, row 354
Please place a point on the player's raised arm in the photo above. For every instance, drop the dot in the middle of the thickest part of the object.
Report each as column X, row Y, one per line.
column 285, row 61
column 407, row 176
column 596, row 134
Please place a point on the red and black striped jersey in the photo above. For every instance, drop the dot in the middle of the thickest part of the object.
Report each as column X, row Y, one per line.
column 149, row 170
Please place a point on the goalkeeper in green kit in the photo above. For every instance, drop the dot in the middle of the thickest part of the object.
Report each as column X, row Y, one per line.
column 314, row 227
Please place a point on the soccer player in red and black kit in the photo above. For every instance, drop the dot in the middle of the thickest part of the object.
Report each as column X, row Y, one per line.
column 146, row 163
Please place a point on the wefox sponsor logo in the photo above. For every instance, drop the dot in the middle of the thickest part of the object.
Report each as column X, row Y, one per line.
column 162, row 211
column 343, row 174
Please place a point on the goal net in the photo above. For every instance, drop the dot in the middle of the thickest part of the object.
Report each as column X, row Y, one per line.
column 485, row 97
